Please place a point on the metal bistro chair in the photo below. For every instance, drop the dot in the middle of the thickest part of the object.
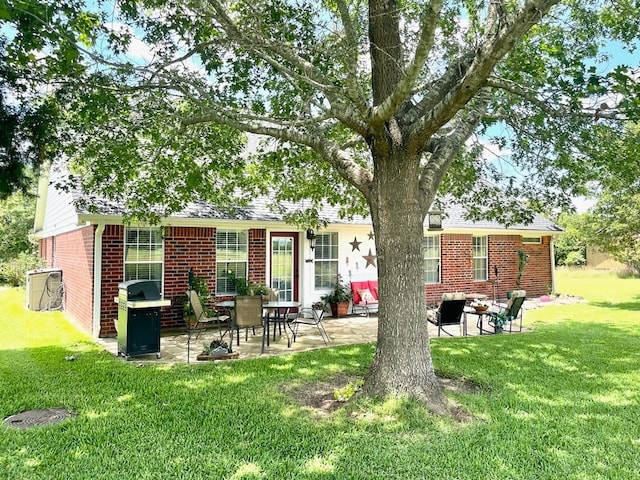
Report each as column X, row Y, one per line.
column 247, row 313
column 512, row 310
column 310, row 316
column 202, row 320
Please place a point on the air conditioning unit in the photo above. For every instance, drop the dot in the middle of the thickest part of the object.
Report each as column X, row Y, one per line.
column 44, row 289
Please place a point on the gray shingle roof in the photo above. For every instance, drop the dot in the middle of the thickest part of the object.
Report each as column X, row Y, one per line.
column 259, row 211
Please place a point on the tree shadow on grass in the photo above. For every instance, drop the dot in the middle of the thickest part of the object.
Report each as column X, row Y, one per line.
column 628, row 306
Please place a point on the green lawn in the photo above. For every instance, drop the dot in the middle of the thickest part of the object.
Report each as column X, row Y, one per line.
column 559, row 402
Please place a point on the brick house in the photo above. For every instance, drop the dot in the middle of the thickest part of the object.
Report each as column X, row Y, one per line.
column 96, row 252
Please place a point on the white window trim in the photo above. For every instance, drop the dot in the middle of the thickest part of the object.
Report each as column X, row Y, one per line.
column 225, row 261
column 439, row 258
column 533, row 240
column 326, row 260
column 124, row 254
column 486, row 258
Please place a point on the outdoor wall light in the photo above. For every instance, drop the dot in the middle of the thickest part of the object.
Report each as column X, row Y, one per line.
column 435, row 220
column 311, row 236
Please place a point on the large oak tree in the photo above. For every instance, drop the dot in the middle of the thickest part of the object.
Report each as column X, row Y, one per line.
column 385, row 103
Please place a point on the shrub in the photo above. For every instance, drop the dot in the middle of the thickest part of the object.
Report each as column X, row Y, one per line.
column 575, row 259
column 14, row 271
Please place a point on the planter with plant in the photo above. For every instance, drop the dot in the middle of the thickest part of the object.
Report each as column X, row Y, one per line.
column 498, row 321
column 216, row 350
column 243, row 287
column 338, row 299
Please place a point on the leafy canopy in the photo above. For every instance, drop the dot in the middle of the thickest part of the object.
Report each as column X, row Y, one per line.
column 156, row 93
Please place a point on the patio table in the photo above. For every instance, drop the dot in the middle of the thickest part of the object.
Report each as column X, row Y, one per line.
column 472, row 297
column 480, row 315
column 281, row 310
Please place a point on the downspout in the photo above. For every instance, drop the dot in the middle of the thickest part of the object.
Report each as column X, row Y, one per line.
column 552, row 251
column 97, row 279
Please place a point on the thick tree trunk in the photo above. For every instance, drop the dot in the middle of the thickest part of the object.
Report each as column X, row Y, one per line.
column 402, row 364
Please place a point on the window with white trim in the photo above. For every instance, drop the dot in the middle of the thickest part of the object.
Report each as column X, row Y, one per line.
column 532, row 240
column 143, row 254
column 325, row 260
column 431, row 258
column 480, row 258
column 232, row 256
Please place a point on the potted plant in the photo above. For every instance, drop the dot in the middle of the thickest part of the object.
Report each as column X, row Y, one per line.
column 498, row 321
column 338, row 299
column 243, row 287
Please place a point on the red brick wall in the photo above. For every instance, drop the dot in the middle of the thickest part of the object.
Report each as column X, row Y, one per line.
column 195, row 247
column 73, row 253
column 45, row 249
column 112, row 275
column 457, row 272
column 258, row 255
column 184, row 248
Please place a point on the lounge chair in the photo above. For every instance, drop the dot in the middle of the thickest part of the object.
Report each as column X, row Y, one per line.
column 450, row 312
column 512, row 310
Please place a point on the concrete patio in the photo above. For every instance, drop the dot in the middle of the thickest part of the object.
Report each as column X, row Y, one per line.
column 353, row 329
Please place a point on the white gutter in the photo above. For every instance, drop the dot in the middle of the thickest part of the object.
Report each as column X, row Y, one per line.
column 97, row 278
column 552, row 252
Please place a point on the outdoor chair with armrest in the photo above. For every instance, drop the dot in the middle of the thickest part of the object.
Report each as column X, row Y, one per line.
column 247, row 313
column 310, row 316
column 202, row 320
column 512, row 310
column 450, row 312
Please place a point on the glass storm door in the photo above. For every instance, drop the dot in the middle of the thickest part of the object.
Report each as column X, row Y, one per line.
column 284, row 265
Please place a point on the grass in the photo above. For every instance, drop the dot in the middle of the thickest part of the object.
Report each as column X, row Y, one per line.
column 559, row 402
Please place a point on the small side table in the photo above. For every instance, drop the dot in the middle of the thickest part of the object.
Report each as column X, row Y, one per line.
column 479, row 322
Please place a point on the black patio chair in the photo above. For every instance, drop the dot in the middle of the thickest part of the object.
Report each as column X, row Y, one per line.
column 450, row 312
column 512, row 311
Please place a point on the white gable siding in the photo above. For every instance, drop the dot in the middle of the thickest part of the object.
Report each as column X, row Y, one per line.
column 60, row 214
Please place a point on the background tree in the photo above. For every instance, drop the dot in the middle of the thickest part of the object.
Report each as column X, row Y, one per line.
column 380, row 103
column 38, row 51
column 17, row 252
column 614, row 226
column 571, row 247
column 613, row 223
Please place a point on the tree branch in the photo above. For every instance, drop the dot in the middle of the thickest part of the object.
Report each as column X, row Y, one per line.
column 309, row 74
column 348, row 169
column 446, row 148
column 429, row 22
column 494, row 47
column 351, row 60
column 601, row 111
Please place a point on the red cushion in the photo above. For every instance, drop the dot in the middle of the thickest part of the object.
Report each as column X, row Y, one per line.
column 371, row 285
column 373, row 288
column 355, row 286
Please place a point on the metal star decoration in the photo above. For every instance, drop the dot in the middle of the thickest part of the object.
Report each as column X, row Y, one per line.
column 371, row 259
column 371, row 235
column 355, row 245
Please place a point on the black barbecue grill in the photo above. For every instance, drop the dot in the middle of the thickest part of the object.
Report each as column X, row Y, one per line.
column 139, row 304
